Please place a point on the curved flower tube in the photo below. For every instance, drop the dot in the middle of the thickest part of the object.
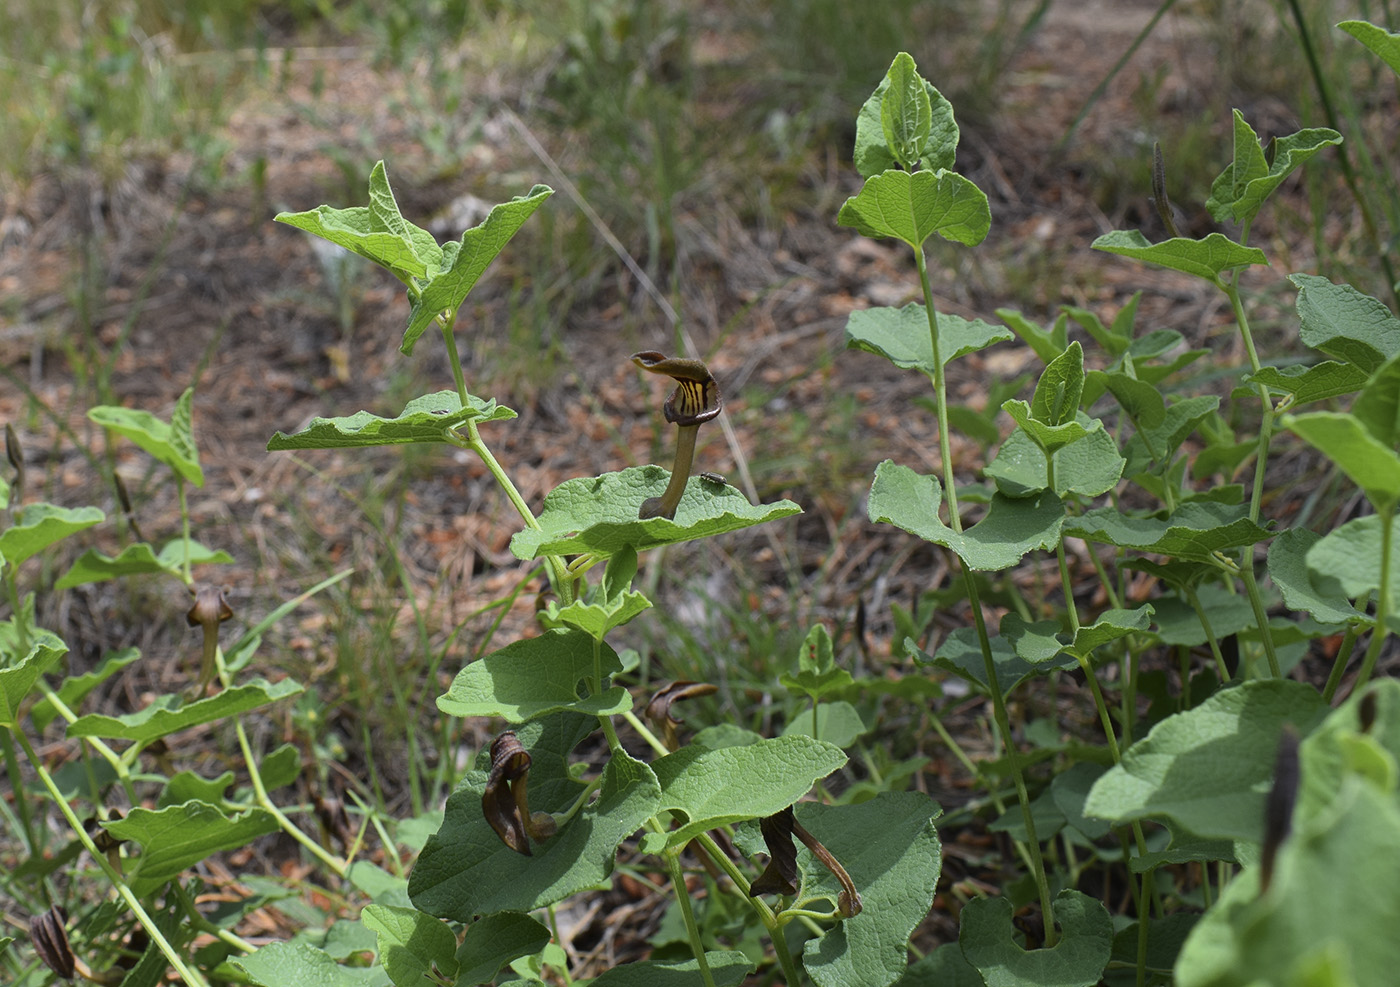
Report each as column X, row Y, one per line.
column 695, row 401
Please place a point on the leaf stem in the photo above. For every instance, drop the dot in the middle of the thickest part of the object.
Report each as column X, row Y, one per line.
column 188, row 975
column 1378, row 635
column 706, row 843
column 1339, row 664
column 1003, row 721
column 672, row 856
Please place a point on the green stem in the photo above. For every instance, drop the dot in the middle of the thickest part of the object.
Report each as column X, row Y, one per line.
column 1261, row 616
column 706, row 843
column 186, row 574
column 1378, row 636
column 651, row 739
column 1339, row 664
column 1003, row 720
column 188, row 975
column 444, row 321
column 672, row 857
column 1193, row 598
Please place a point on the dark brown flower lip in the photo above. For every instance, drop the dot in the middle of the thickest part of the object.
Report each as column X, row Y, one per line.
column 696, row 399
column 658, row 710
column 50, row 940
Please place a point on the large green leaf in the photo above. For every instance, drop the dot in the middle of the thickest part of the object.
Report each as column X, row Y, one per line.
column 424, row 419
column 465, row 870
column 280, row 964
column 41, row 525
column 180, row 836
column 901, row 335
column 1319, row 382
column 172, row 444
column 464, row 263
column 1344, row 323
column 1342, row 438
column 535, row 677
column 1240, row 190
column 1012, row 527
column 75, row 688
column 1205, row 258
column 1345, row 563
column 1329, row 914
column 167, row 714
column 1289, row 570
column 717, row 787
column 494, row 940
column 377, row 232
column 728, row 968
column 891, row 850
column 1077, row 960
column 599, row 514
column 913, row 207
column 1194, row 531
column 961, row 654
column 1382, row 42
column 17, row 680
column 94, row 567
column 1209, row 767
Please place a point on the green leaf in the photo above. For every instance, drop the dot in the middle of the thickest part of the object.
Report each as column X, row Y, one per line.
column 901, row 497
column 17, row 680
column 41, row 525
column 75, row 688
column 599, row 514
column 535, row 677
column 817, row 674
column 413, row 945
column 913, row 207
column 595, row 619
column 1047, row 343
column 891, row 850
column 1089, row 467
column 1210, row 767
column 1034, row 641
column 1378, row 407
column 94, row 567
column 1290, row 572
column 463, row 266
column 961, row 654
column 1077, row 960
column 872, row 150
column 494, row 940
column 1179, row 624
column 1139, row 400
column 1110, row 626
column 906, row 112
column 424, row 419
column 1319, row 382
column 186, row 786
column 1196, row 531
column 1050, row 438
column 1346, row 562
column 838, row 722
column 1240, row 190
column 716, row 787
column 465, row 870
column 171, row 444
column 901, row 335
column 1056, row 398
column 1380, row 41
column 944, row 967
column 1328, row 916
column 1205, row 258
column 282, row 963
column 1070, row 790
column 1342, row 438
column 728, row 968
column 376, row 232
column 180, row 836
column 166, row 714
column 1344, row 323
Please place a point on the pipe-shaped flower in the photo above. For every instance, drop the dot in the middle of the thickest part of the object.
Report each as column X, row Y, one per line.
column 695, row 401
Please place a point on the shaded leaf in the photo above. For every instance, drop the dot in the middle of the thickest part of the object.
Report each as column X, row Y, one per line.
column 1194, row 531
column 1342, row 438
column 40, row 525
column 1077, row 960
column 412, row 945
column 1319, row 382
column 1289, row 570
column 75, row 688
column 494, row 940
column 535, row 677
column 961, row 654
column 1344, row 323
column 727, row 967
column 17, row 680
column 179, row 836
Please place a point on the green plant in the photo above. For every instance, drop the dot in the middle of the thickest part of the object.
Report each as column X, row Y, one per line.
column 1187, row 783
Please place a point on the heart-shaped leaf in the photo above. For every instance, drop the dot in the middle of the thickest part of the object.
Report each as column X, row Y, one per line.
column 180, row 836
column 1344, row 323
column 536, row 677
column 40, row 525
column 168, row 714
column 172, row 444
column 901, row 335
column 494, row 940
column 412, row 945
column 1240, row 190
column 913, row 207
column 872, row 150
column 1089, row 467
column 901, row 497
column 599, row 514
column 1077, row 960
column 94, row 567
